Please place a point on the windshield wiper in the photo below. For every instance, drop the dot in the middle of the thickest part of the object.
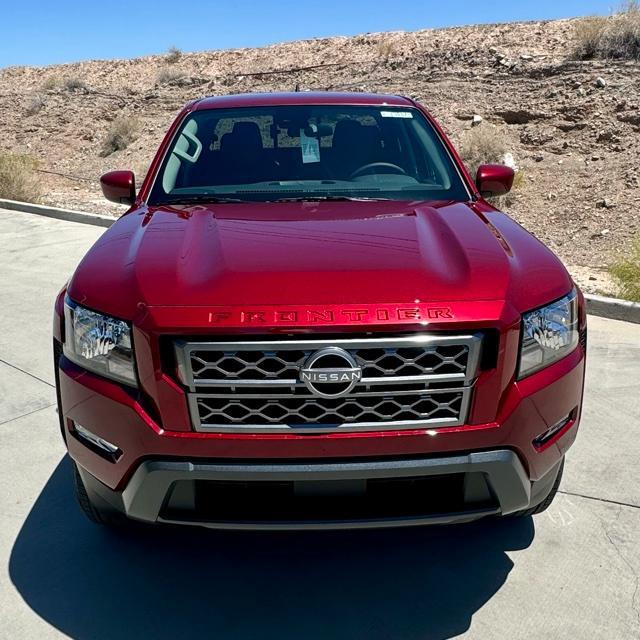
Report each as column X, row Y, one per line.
column 210, row 199
column 312, row 198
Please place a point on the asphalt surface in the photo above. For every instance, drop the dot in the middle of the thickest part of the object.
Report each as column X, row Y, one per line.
column 572, row 572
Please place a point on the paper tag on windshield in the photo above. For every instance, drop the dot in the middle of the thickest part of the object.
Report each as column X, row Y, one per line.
column 310, row 146
column 396, row 114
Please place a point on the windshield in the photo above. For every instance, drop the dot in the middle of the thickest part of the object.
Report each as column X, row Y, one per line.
column 306, row 152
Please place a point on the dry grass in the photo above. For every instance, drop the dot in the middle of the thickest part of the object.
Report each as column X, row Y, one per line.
column 588, row 33
column 482, row 145
column 173, row 55
column 74, row 83
column 518, row 179
column 121, row 134
column 509, row 199
column 50, row 84
column 386, row 48
column 617, row 36
column 168, row 75
column 18, row 179
column 626, row 273
column 487, row 145
column 35, row 105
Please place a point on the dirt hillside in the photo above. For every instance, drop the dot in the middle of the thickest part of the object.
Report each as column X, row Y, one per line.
column 573, row 127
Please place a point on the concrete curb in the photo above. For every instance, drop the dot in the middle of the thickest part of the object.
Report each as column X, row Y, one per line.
column 613, row 308
column 60, row 214
column 596, row 305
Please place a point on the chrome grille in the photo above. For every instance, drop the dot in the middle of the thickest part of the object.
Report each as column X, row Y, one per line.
column 360, row 409
column 208, row 366
column 407, row 382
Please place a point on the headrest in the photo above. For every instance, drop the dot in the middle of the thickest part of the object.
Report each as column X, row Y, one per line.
column 351, row 133
column 244, row 135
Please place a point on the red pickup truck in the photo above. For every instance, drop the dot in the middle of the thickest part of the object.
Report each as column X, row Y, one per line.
column 311, row 317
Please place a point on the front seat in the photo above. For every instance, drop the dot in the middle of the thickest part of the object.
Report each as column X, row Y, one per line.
column 241, row 158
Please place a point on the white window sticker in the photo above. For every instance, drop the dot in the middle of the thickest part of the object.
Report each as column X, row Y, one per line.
column 396, row 114
column 310, row 146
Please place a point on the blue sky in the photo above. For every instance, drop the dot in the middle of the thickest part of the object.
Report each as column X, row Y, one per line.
column 42, row 32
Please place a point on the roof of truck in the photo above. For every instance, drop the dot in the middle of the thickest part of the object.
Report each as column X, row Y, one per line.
column 300, row 97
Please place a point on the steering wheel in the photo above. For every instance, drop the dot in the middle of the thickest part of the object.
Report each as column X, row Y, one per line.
column 387, row 165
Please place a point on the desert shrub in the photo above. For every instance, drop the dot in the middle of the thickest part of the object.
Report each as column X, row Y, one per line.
column 386, row 48
column 74, row 83
column 35, row 105
column 50, row 83
column 121, row 134
column 167, row 75
column 509, row 199
column 626, row 273
column 617, row 36
column 173, row 55
column 482, row 145
column 518, row 179
column 487, row 145
column 18, row 179
column 588, row 32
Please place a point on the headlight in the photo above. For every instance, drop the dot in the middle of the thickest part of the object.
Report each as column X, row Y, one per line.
column 99, row 343
column 548, row 334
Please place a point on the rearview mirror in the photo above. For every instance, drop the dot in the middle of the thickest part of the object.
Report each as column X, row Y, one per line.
column 119, row 186
column 494, row 179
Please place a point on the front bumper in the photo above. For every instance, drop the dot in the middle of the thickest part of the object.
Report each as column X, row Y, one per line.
column 486, row 482
column 527, row 409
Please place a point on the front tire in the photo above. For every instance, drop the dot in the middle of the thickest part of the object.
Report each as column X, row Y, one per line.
column 546, row 503
column 96, row 513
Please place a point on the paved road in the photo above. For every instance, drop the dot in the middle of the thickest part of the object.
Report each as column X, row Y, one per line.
column 569, row 573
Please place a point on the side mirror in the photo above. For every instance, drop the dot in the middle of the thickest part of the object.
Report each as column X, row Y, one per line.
column 494, row 179
column 119, row 186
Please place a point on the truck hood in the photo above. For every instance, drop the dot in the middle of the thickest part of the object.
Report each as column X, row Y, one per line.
column 315, row 253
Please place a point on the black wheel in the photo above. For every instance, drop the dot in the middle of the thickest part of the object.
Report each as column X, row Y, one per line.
column 97, row 514
column 546, row 503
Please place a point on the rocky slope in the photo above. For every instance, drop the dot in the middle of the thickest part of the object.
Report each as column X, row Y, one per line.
column 572, row 126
